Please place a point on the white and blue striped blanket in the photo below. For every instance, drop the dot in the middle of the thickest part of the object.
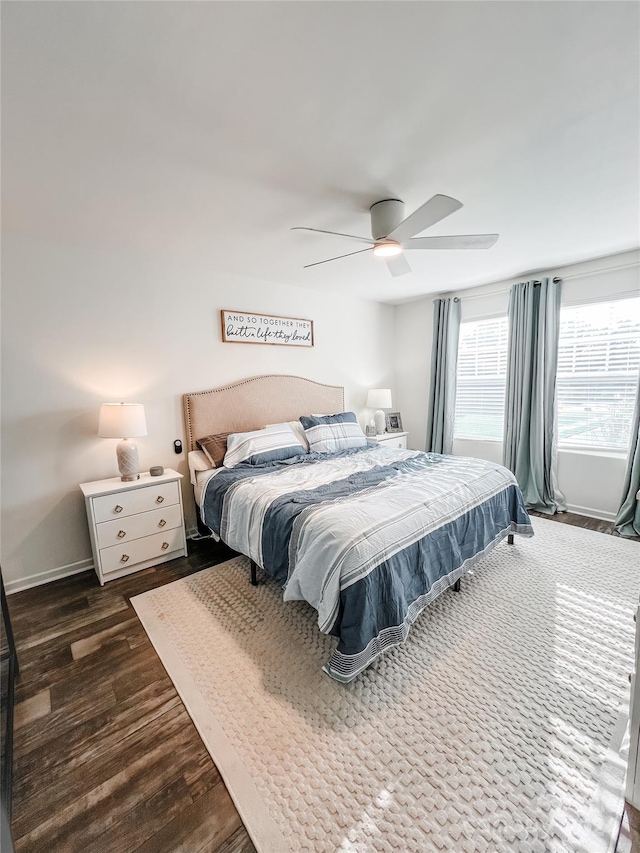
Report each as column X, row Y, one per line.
column 369, row 537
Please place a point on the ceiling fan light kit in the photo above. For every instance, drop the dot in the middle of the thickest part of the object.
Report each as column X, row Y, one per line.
column 387, row 249
column 392, row 234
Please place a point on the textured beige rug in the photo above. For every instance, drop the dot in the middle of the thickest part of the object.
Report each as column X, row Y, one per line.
column 495, row 728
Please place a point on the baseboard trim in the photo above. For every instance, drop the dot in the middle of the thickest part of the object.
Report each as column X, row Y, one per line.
column 589, row 511
column 50, row 575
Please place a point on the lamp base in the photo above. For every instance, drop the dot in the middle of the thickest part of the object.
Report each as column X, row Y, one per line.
column 380, row 421
column 128, row 463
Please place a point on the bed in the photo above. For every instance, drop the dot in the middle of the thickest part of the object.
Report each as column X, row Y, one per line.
column 369, row 536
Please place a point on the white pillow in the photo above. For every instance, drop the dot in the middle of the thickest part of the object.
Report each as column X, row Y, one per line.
column 270, row 444
column 297, row 427
column 198, row 462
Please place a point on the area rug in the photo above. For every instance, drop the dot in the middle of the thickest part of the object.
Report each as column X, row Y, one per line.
column 495, row 728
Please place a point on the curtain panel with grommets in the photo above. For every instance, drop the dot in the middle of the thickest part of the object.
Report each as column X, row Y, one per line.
column 530, row 434
column 444, row 362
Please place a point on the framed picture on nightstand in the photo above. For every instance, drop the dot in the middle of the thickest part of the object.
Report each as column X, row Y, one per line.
column 394, row 422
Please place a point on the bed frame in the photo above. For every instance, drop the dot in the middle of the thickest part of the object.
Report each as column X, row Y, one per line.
column 253, row 403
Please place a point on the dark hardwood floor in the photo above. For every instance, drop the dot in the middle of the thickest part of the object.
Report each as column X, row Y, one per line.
column 585, row 521
column 107, row 759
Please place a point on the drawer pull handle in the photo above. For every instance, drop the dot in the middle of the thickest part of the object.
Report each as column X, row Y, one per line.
column 159, row 499
column 165, row 545
column 117, row 508
column 124, row 558
column 162, row 522
column 122, row 534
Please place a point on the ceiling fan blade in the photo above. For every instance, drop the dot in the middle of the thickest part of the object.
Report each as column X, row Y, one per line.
column 461, row 241
column 348, row 255
column 397, row 265
column 432, row 211
column 334, row 234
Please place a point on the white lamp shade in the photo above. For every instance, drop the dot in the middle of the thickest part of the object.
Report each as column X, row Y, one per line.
column 122, row 420
column 379, row 398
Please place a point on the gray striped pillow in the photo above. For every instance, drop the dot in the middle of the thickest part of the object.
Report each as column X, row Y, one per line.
column 333, row 433
column 270, row 444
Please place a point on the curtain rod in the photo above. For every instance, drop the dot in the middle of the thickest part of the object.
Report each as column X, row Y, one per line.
column 556, row 279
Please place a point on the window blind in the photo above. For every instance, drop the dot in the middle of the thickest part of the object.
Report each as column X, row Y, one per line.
column 598, row 364
column 481, row 378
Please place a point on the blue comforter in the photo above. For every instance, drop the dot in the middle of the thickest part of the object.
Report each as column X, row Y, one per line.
column 368, row 537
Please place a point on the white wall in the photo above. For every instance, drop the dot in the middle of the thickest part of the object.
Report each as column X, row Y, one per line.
column 413, row 337
column 82, row 327
column 592, row 482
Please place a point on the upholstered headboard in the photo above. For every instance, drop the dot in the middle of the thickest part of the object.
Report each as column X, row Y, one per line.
column 253, row 403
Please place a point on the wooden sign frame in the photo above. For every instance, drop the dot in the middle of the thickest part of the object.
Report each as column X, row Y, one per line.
column 250, row 327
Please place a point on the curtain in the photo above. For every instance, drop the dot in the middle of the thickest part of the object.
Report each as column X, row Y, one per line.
column 529, row 448
column 628, row 518
column 444, row 359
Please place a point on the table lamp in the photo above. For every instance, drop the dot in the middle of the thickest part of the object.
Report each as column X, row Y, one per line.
column 379, row 399
column 125, row 421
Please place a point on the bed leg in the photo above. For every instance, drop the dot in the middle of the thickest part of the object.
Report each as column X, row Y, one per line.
column 456, row 586
column 254, row 576
column 510, row 539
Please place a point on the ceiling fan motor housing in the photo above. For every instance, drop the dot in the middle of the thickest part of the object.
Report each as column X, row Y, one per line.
column 385, row 216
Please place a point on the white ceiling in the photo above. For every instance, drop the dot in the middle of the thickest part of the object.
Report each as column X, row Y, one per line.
column 204, row 131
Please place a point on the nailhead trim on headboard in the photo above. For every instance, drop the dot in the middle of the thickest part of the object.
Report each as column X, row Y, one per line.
column 318, row 396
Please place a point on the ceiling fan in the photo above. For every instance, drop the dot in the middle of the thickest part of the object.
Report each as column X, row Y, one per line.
column 393, row 235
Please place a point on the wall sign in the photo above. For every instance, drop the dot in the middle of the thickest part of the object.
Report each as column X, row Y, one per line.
column 242, row 327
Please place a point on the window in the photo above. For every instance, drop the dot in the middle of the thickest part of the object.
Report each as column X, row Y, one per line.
column 481, row 378
column 598, row 363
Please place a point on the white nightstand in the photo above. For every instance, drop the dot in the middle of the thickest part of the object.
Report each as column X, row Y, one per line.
column 134, row 525
column 397, row 440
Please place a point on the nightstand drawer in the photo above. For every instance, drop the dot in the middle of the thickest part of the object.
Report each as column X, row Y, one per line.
column 125, row 556
column 396, row 443
column 136, row 526
column 121, row 504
